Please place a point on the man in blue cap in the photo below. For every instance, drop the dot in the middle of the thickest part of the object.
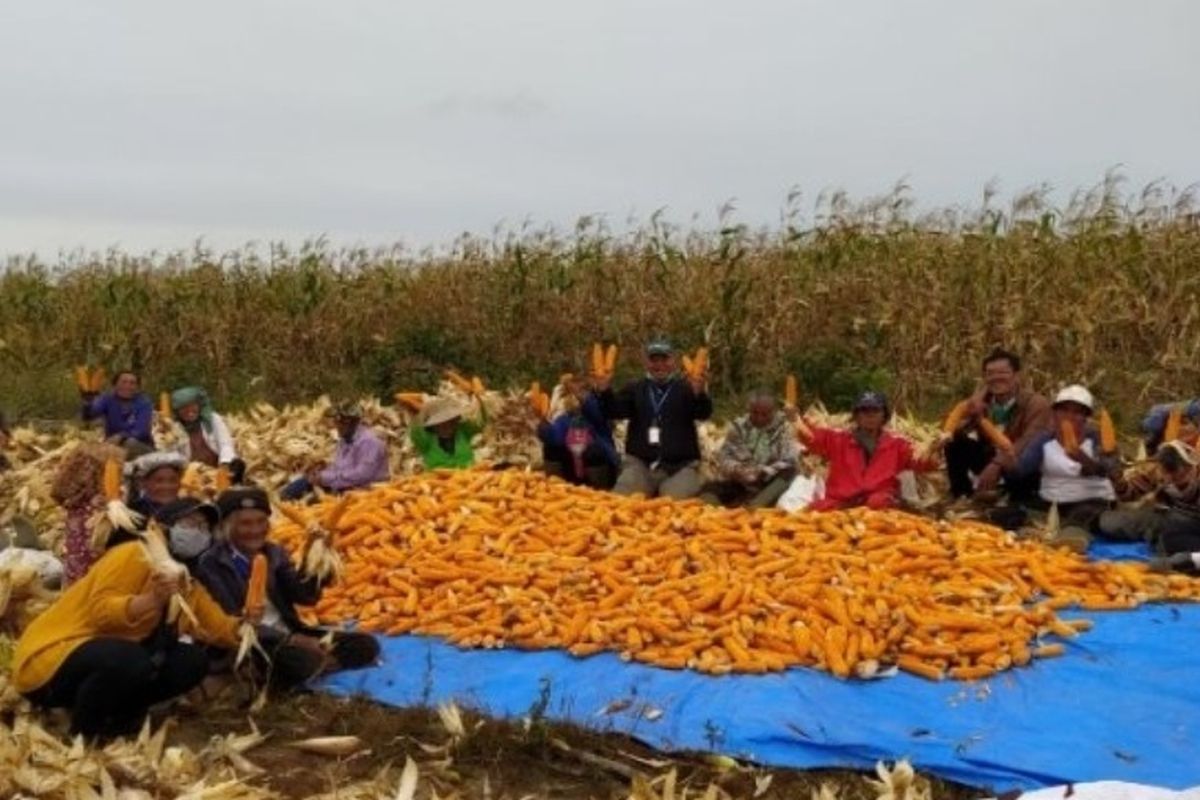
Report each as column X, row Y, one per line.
column 662, row 450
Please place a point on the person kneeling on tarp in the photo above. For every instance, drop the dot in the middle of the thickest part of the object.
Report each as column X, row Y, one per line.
column 865, row 461
column 1172, row 524
column 297, row 651
column 105, row 650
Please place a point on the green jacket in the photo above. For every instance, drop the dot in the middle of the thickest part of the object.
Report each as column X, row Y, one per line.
column 435, row 457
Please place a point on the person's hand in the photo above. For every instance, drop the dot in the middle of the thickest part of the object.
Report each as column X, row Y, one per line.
column 254, row 615
column 748, row 475
column 792, row 413
column 699, row 384
column 989, row 479
column 88, row 396
column 601, row 383
column 1176, row 562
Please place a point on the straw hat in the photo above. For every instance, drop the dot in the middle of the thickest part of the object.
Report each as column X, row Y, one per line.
column 441, row 409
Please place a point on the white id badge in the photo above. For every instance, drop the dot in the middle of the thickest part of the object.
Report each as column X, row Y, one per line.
column 652, row 434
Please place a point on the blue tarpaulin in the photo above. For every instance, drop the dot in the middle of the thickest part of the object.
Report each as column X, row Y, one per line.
column 1123, row 704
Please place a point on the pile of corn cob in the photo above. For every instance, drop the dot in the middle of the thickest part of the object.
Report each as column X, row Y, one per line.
column 494, row 559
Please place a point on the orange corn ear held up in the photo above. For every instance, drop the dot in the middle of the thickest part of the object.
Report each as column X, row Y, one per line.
column 82, row 379
column 112, row 480
column 477, row 387
column 256, row 588
column 1067, row 437
column 956, row 417
column 223, row 482
column 460, row 383
column 1174, row 424
column 1108, row 432
column 790, row 394
column 994, row 434
column 597, row 358
column 610, row 359
column 97, row 380
column 164, row 405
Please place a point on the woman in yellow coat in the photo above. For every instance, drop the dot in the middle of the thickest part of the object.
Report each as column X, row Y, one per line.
column 105, row 651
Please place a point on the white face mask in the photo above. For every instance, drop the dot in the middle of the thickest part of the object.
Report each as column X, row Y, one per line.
column 186, row 541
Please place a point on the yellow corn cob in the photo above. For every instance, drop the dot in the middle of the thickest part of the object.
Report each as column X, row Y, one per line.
column 98, row 378
column 610, row 359
column 1108, row 433
column 790, row 394
column 956, row 416
column 1174, row 424
column 222, row 480
column 994, row 435
column 462, row 384
column 82, row 379
column 413, row 400
column 112, row 480
column 164, row 405
column 477, row 387
column 1067, row 437
column 598, row 369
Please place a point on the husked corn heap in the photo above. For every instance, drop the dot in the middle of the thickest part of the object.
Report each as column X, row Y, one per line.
column 494, row 559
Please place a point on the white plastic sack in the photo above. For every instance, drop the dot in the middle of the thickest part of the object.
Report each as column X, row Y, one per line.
column 803, row 491
column 49, row 567
column 1110, row 790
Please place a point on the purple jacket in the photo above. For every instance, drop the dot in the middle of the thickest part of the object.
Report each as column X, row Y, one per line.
column 128, row 417
column 357, row 463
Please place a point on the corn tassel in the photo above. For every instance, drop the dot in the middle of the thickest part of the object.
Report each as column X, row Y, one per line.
column 1174, row 424
column 790, row 393
column 1068, row 438
column 994, row 435
column 955, row 418
column 1108, row 433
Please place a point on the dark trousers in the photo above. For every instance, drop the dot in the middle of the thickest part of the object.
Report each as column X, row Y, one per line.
column 1085, row 514
column 292, row 666
column 598, row 471
column 966, row 456
column 108, row 685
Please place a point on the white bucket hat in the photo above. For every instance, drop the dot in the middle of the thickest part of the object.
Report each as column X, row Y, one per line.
column 441, row 409
column 1075, row 394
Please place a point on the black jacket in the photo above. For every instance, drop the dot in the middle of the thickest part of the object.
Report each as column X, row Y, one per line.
column 285, row 588
column 678, row 443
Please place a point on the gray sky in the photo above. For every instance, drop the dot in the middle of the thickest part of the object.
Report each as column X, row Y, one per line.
column 148, row 123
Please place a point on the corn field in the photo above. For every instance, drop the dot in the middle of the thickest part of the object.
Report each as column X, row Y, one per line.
column 853, row 294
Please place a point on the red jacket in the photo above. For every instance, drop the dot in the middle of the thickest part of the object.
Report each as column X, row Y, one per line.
column 852, row 480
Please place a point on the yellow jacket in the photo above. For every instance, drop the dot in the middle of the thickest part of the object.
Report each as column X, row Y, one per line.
column 97, row 606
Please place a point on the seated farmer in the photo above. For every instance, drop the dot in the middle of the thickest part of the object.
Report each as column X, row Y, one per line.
column 125, row 410
column 865, row 461
column 1020, row 413
column 297, row 652
column 361, row 458
column 757, row 460
column 1175, row 486
column 443, row 437
column 189, row 523
column 105, row 652
column 1073, row 474
column 578, row 445
column 156, row 478
column 1155, row 423
column 206, row 438
column 662, row 450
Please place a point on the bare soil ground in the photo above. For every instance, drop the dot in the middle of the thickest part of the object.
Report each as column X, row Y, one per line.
column 496, row 759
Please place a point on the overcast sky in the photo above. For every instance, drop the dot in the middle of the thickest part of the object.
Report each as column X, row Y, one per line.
column 148, row 123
